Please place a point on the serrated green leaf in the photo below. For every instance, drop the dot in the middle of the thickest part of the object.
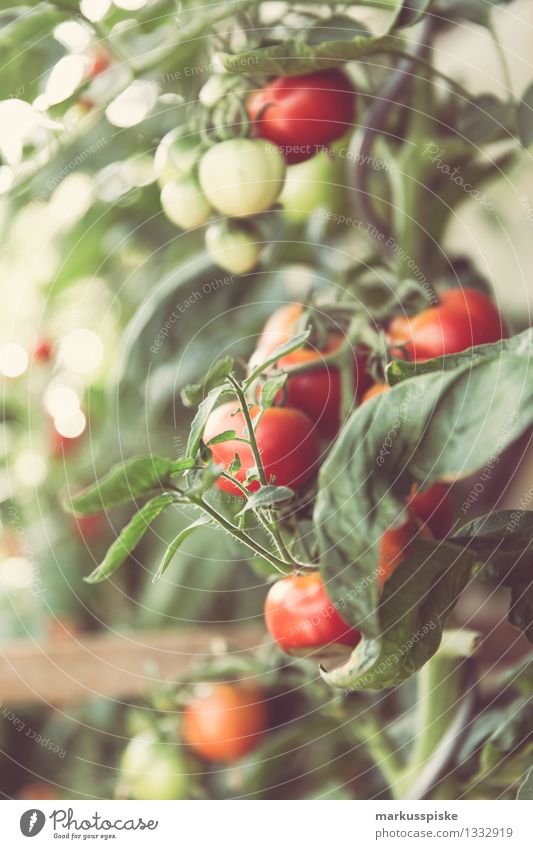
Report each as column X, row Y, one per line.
column 281, row 351
column 126, row 482
column 407, row 438
column 295, row 56
column 177, row 542
column 130, row 536
column 222, row 437
column 267, row 496
column 271, row 389
column 194, row 393
column 235, row 465
column 413, row 610
column 485, row 119
column 199, row 422
column 525, row 791
column 399, row 370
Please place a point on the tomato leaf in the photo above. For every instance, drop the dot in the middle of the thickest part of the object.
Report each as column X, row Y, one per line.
column 281, row 351
column 399, row 370
column 267, row 496
column 295, row 56
column 235, row 465
column 126, row 482
column 194, row 393
column 222, row 437
column 199, row 422
column 271, row 389
column 130, row 536
column 385, row 447
column 176, row 543
column 485, row 119
column 413, row 610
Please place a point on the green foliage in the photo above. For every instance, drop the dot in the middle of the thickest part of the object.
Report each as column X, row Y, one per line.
column 126, row 482
column 390, row 442
column 130, row 536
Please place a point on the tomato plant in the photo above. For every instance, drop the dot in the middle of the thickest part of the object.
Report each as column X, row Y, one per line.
column 302, row 619
column 286, row 440
column 304, row 113
column 327, row 160
column 225, row 722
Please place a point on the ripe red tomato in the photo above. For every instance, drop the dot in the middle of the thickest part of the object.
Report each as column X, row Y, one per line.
column 429, row 516
column 317, row 393
column 302, row 114
column 302, row 619
column 286, row 440
column 462, row 319
column 226, row 722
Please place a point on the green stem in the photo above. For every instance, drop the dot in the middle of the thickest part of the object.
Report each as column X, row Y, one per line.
column 409, row 185
column 249, row 426
column 242, row 537
column 380, row 749
column 270, row 515
column 260, row 518
column 443, row 706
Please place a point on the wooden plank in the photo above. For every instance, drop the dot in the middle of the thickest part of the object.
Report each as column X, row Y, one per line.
column 73, row 668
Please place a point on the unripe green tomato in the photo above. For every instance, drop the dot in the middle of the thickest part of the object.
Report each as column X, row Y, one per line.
column 152, row 770
column 312, row 185
column 234, row 245
column 184, row 203
column 176, row 156
column 241, row 177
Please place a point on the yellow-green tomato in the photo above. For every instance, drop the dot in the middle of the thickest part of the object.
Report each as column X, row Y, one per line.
column 176, row 155
column 241, row 177
column 234, row 245
column 315, row 184
column 150, row 769
column 184, row 203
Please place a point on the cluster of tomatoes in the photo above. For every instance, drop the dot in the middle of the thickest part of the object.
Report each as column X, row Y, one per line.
column 291, row 434
column 288, row 121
